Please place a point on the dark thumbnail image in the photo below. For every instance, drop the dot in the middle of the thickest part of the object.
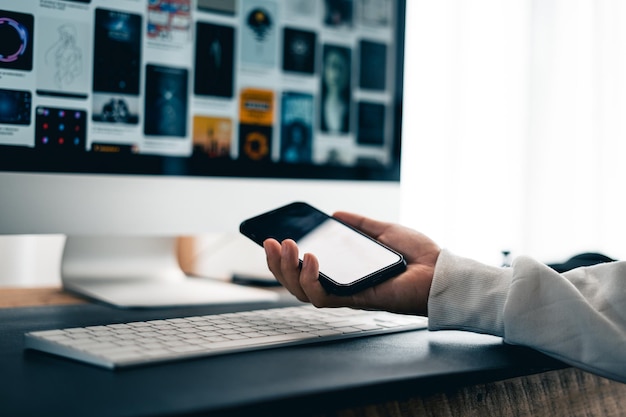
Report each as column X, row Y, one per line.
column 373, row 69
column 336, row 90
column 115, row 108
column 371, row 129
column 60, row 128
column 15, row 107
column 338, row 13
column 296, row 128
column 117, row 52
column 255, row 142
column 16, row 40
column 166, row 101
column 214, row 70
column 299, row 51
column 218, row 6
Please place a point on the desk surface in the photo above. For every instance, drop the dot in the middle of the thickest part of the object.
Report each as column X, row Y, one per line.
column 414, row 373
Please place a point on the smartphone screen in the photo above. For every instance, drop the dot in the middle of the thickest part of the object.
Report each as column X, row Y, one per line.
column 349, row 260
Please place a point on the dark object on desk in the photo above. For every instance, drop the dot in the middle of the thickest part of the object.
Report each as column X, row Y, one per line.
column 258, row 281
column 583, row 259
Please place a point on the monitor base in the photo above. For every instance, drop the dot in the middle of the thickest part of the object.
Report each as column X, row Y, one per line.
column 227, row 256
column 131, row 272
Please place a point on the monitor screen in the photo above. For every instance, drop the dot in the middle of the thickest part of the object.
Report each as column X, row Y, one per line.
column 179, row 117
column 231, row 88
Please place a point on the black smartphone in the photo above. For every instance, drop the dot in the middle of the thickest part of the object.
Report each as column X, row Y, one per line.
column 349, row 260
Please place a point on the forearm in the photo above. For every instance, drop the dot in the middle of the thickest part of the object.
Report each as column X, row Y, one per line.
column 578, row 317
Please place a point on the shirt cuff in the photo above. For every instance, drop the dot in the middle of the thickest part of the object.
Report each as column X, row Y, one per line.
column 467, row 295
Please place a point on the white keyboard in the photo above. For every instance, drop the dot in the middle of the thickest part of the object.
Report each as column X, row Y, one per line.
column 137, row 343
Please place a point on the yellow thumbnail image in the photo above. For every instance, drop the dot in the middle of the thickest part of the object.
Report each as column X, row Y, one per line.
column 212, row 135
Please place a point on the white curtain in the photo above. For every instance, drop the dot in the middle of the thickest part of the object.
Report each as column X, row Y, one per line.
column 515, row 135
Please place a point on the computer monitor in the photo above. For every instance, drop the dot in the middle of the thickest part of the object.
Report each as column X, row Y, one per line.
column 125, row 124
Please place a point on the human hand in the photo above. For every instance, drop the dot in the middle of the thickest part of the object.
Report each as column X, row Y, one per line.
column 406, row 293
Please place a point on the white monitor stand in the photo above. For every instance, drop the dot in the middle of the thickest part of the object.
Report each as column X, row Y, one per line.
column 132, row 272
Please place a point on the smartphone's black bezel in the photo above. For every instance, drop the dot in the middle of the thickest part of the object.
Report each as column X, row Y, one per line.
column 367, row 281
column 328, row 283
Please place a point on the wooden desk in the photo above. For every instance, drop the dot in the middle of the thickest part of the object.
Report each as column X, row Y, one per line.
column 566, row 392
column 31, row 297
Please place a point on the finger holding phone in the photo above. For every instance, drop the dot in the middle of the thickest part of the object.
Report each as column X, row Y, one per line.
column 406, row 292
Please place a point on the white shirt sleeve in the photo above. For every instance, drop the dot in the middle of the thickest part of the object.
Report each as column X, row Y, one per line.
column 578, row 317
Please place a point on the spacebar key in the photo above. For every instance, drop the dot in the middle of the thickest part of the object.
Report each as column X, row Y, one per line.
column 266, row 340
